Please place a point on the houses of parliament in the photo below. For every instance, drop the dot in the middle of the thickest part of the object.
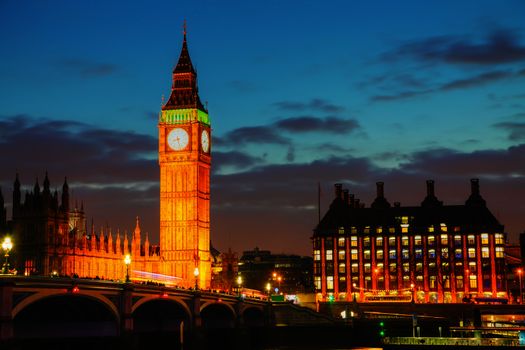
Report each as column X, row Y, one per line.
column 52, row 237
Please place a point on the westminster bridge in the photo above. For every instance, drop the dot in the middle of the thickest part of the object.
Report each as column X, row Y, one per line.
column 41, row 307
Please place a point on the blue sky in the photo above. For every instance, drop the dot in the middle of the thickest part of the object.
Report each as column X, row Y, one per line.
column 299, row 92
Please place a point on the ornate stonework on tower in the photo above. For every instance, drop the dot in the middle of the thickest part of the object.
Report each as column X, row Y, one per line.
column 184, row 160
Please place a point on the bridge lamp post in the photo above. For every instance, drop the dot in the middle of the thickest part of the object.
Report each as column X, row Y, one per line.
column 7, row 245
column 520, row 272
column 196, row 274
column 268, row 289
column 353, row 290
column 239, row 283
column 127, row 261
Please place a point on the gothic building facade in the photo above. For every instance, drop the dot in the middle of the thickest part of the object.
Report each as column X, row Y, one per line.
column 51, row 237
column 427, row 253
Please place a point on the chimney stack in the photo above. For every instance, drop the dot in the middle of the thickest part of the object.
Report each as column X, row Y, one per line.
column 380, row 189
column 338, row 190
column 430, row 188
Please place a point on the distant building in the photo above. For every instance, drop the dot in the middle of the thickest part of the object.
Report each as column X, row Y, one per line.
column 429, row 253
column 225, row 267
column 287, row 272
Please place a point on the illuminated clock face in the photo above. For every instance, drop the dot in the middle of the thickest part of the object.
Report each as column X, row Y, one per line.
column 178, row 139
column 205, row 141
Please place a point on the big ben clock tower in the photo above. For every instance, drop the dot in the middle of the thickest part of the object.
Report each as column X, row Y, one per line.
column 184, row 160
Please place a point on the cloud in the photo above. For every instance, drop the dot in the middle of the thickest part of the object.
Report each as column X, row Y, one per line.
column 75, row 149
column 88, row 69
column 275, row 203
column 447, row 162
column 315, row 104
column 470, row 82
column 516, row 130
column 252, row 135
column 500, row 46
column 235, row 159
column 312, row 124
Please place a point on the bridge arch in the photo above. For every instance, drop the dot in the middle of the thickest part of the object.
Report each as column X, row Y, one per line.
column 253, row 317
column 218, row 315
column 160, row 315
column 74, row 314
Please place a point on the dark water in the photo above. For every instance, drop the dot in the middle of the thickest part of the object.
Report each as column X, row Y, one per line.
column 280, row 338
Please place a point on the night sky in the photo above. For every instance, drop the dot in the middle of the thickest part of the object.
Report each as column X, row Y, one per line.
column 299, row 93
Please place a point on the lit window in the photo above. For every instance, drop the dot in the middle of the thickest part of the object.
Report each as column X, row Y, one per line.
column 419, row 267
column 472, row 267
column 317, row 282
column 341, row 255
column 432, row 281
column 419, row 278
column 432, row 253
column 353, row 255
column 406, row 267
column 367, row 229
column 392, row 254
column 431, row 229
column 471, row 239
column 443, row 227
column 473, row 281
column 317, row 255
column 404, row 228
column 500, row 253
column 366, row 241
column 484, row 238
column 446, row 282
column 405, row 254
column 367, row 254
column 417, row 240
column 444, row 239
column 391, row 241
column 342, row 268
column 431, row 240
column 379, row 241
column 444, row 253
column 485, row 252
column 472, row 253
column 341, row 230
column 459, row 282
column 341, row 242
column 379, row 254
column 457, row 240
column 367, row 268
column 393, row 267
column 392, row 230
column 458, row 253
column 353, row 241
column 499, row 238
column 379, row 230
column 404, row 240
column 404, row 219
column 355, row 268
column 329, row 254
column 419, row 253
column 330, row 282
column 353, row 230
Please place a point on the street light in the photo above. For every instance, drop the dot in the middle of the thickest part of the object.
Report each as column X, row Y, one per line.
column 268, row 289
column 520, row 271
column 412, row 285
column 196, row 274
column 239, row 283
column 7, row 245
column 127, row 261
column 279, row 278
column 353, row 290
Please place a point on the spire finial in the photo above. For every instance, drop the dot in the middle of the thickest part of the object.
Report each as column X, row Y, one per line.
column 184, row 29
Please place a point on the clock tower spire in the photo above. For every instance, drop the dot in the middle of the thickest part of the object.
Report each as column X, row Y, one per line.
column 185, row 161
